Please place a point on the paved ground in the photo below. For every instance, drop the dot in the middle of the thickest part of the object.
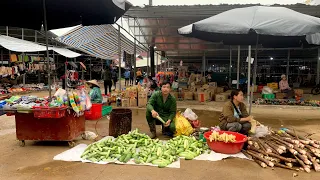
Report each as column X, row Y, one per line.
column 35, row 160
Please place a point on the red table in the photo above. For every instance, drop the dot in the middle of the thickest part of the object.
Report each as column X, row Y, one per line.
column 66, row 128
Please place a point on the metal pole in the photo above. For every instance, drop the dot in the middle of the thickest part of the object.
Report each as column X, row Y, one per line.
column 23, row 62
column 318, row 67
column 134, row 53
column 254, row 73
column 1, row 56
column 119, row 52
column 47, row 46
column 7, row 30
column 238, row 68
column 90, row 68
column 288, row 64
column 249, row 73
column 157, row 66
column 35, row 36
column 148, row 55
column 203, row 63
column 230, row 67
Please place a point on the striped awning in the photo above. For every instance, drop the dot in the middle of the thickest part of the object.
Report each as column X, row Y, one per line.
column 100, row 41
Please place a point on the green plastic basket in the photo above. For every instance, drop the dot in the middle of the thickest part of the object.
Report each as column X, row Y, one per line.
column 268, row 96
column 106, row 110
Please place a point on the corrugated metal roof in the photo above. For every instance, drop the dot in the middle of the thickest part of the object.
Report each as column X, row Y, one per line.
column 99, row 41
column 157, row 25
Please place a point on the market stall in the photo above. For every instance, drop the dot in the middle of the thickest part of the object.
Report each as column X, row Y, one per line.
column 61, row 119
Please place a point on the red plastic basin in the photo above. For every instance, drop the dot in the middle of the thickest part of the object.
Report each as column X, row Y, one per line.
column 226, row 148
column 94, row 113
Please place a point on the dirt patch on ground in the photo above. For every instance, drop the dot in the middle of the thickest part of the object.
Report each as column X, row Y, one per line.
column 35, row 160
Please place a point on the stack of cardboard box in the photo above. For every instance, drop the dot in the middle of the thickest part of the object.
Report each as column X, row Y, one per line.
column 142, row 99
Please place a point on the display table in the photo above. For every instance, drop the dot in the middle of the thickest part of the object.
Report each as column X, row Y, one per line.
column 66, row 128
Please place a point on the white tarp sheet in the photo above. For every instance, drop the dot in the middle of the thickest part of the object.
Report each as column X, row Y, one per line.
column 19, row 45
column 73, row 155
column 65, row 52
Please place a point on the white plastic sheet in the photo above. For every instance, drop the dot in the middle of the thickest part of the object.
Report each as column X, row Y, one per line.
column 75, row 153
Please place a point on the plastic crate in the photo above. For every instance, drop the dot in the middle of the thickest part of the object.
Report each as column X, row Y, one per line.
column 49, row 112
column 268, row 96
column 94, row 113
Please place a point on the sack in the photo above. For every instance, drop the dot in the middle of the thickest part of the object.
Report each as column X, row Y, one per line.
column 183, row 127
column 189, row 114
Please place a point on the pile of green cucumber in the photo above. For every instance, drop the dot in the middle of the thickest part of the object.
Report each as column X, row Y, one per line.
column 144, row 150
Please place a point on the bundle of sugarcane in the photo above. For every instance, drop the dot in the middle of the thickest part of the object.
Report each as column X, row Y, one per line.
column 285, row 149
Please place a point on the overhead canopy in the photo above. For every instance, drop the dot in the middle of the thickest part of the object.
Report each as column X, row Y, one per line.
column 99, row 41
column 61, row 13
column 19, row 45
column 276, row 26
column 157, row 25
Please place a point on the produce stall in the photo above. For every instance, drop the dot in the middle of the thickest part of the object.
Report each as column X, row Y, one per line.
column 61, row 119
column 286, row 149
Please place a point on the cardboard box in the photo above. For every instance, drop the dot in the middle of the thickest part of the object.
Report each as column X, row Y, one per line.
column 298, row 92
column 273, row 85
column 142, row 94
column 221, row 97
column 188, row 95
column 142, row 102
column 204, row 96
column 175, row 94
column 280, row 95
column 133, row 102
column 195, row 96
column 205, row 87
column 220, row 90
column 193, row 89
column 213, row 84
column 125, row 102
column 131, row 93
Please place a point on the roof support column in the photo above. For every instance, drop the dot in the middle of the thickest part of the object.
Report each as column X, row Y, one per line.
column 238, row 68
column 230, row 67
column 119, row 54
column 318, row 67
column 249, row 77
column 203, row 63
column 134, row 53
column 288, row 64
column 153, row 74
column 148, row 68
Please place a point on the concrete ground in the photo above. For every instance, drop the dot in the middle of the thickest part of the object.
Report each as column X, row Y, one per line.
column 35, row 160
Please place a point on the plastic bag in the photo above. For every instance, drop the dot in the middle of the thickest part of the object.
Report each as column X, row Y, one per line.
column 261, row 131
column 175, row 85
column 190, row 115
column 183, row 127
column 267, row 90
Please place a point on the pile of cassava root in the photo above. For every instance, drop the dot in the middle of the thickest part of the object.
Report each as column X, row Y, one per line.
column 285, row 149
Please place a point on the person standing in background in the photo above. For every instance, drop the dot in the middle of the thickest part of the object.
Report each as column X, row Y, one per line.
column 131, row 77
column 126, row 77
column 138, row 76
column 114, row 76
column 107, row 80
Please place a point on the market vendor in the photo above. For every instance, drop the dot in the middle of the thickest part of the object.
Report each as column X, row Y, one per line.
column 162, row 104
column 234, row 116
column 95, row 92
column 284, row 86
